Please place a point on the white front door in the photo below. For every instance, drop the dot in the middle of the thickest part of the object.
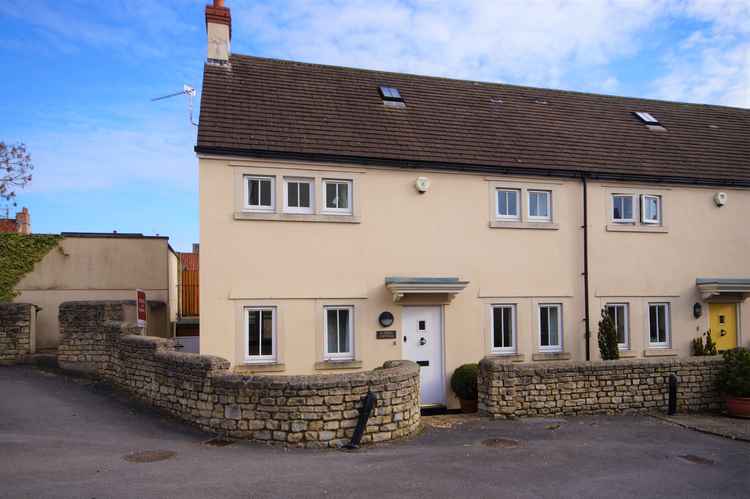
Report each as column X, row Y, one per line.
column 422, row 329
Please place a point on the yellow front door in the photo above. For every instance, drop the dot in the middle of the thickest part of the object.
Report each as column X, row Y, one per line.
column 723, row 323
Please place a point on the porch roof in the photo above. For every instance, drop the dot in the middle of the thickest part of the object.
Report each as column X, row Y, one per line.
column 401, row 286
column 711, row 287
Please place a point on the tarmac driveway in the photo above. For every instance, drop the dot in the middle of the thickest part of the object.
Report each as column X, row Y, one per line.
column 62, row 437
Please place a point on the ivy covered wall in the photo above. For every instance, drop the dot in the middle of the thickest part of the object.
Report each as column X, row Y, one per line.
column 18, row 255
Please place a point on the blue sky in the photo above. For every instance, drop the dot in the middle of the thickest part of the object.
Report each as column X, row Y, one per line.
column 79, row 75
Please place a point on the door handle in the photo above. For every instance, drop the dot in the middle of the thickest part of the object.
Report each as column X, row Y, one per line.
column 723, row 332
column 422, row 341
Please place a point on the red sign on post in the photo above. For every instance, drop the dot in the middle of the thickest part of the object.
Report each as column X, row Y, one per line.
column 140, row 307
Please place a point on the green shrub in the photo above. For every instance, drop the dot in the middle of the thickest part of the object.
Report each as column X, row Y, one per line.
column 701, row 348
column 608, row 337
column 734, row 376
column 698, row 349
column 464, row 381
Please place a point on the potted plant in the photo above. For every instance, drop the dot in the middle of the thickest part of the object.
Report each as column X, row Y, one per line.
column 734, row 382
column 464, row 385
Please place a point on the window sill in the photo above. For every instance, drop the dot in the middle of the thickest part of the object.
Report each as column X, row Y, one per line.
column 338, row 364
column 546, row 356
column 627, row 354
column 296, row 217
column 659, row 352
column 659, row 229
column 251, row 368
column 510, row 357
column 508, row 224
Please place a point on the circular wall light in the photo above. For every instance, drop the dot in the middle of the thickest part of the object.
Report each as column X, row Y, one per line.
column 697, row 310
column 385, row 319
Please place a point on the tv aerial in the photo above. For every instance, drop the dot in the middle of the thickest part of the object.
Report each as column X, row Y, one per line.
column 189, row 92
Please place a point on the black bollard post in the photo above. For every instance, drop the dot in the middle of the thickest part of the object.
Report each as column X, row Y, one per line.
column 364, row 415
column 672, row 395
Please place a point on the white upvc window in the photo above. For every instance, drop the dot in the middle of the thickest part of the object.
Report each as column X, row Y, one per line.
column 619, row 314
column 622, row 208
column 650, row 209
column 658, row 325
column 507, row 202
column 337, row 196
column 299, row 195
column 503, row 319
column 339, row 333
column 259, row 193
column 260, row 334
column 550, row 327
column 540, row 206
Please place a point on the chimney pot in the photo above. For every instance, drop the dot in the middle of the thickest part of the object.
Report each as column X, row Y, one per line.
column 23, row 221
column 218, row 3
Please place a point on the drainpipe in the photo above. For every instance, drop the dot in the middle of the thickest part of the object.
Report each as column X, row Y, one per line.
column 587, row 317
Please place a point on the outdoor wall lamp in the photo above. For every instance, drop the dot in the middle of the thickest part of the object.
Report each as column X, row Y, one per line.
column 385, row 319
column 697, row 310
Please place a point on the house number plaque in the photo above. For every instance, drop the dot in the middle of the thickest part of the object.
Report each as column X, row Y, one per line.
column 389, row 334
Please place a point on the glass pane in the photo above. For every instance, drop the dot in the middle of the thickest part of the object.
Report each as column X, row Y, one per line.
column 627, row 207
column 620, row 324
column 513, row 203
column 343, row 331
column 344, row 196
column 253, row 336
column 253, row 196
column 554, row 326
column 543, row 204
column 533, row 204
column 507, row 327
column 497, row 327
column 544, row 326
column 662, row 324
column 304, row 195
column 331, row 195
column 332, row 318
column 618, row 215
column 652, row 316
column 292, row 189
column 267, row 334
column 265, row 193
column 502, row 202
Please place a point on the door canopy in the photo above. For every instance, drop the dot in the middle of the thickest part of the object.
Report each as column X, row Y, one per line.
column 723, row 287
column 402, row 286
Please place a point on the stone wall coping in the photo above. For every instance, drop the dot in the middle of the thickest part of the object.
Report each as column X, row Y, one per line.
column 497, row 365
column 74, row 303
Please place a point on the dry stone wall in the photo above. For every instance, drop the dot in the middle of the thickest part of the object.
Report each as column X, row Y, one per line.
column 608, row 387
column 16, row 332
column 299, row 411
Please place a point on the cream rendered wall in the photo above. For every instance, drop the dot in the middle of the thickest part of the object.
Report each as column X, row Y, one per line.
column 88, row 268
column 301, row 266
column 699, row 239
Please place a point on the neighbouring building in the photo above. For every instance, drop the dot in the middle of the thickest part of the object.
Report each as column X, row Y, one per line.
column 103, row 266
column 187, row 330
column 21, row 224
column 351, row 216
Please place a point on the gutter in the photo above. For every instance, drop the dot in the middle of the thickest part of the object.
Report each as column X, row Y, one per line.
column 587, row 316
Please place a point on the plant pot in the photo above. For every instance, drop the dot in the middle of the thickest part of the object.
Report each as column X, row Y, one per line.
column 468, row 406
column 737, row 407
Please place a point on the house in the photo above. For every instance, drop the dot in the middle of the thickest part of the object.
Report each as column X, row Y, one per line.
column 351, row 216
column 21, row 224
column 103, row 266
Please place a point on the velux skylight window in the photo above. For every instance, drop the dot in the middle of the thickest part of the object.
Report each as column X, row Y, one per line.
column 647, row 118
column 390, row 94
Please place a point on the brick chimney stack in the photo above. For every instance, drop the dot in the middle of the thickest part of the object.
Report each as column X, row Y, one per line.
column 23, row 221
column 219, row 30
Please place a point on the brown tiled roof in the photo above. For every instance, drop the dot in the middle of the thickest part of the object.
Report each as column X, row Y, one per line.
column 260, row 107
column 8, row 225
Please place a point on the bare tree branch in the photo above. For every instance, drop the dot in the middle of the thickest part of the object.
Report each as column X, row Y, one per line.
column 15, row 170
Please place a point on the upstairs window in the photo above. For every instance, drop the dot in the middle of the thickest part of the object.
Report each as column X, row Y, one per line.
column 650, row 209
column 298, row 195
column 390, row 94
column 508, row 204
column 339, row 333
column 658, row 323
column 550, row 328
column 338, row 196
column 622, row 208
column 539, row 206
column 618, row 312
column 503, row 329
column 259, row 193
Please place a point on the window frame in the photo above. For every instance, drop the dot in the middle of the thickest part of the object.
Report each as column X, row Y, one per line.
column 324, row 196
column 537, row 218
column 550, row 348
column 260, row 359
column 513, row 334
column 626, row 317
column 296, row 209
column 667, row 325
column 338, row 356
column 498, row 215
column 633, row 217
column 651, row 221
column 260, row 207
